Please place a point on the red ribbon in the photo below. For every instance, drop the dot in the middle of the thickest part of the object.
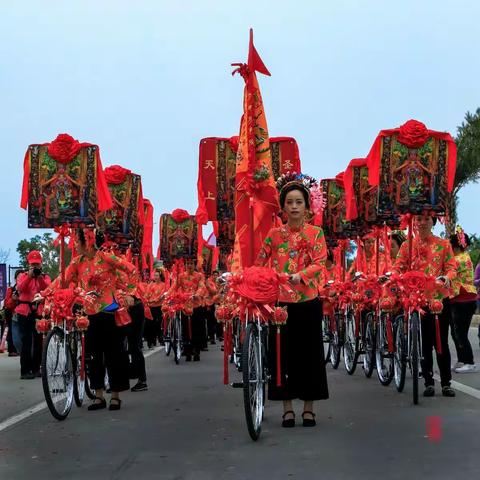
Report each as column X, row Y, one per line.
column 389, row 327
column 437, row 335
column 279, row 358
column 226, row 342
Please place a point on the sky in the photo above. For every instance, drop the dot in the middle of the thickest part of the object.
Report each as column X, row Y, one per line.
column 147, row 79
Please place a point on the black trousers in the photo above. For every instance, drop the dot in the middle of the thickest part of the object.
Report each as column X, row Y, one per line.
column 8, row 318
column 194, row 331
column 461, row 315
column 135, row 342
column 429, row 343
column 105, row 343
column 211, row 322
column 303, row 369
column 31, row 355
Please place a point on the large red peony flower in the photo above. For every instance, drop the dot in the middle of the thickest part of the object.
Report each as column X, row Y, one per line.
column 413, row 134
column 64, row 148
column 115, row 174
column 179, row 215
column 258, row 284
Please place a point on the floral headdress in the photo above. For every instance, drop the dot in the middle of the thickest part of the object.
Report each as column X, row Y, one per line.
column 310, row 185
column 462, row 241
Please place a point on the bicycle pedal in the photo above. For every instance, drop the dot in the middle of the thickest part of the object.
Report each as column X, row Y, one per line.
column 237, row 385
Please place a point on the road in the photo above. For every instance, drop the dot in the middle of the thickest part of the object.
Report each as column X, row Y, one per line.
column 190, row 426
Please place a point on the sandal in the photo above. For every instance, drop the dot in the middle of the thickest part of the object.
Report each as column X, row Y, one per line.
column 116, row 405
column 97, row 405
column 288, row 423
column 308, row 422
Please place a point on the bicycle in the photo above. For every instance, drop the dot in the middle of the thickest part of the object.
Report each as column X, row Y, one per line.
column 63, row 354
column 255, row 373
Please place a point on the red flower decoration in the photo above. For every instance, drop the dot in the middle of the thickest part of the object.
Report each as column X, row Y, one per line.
column 179, row 215
column 64, row 148
column 436, row 306
column 63, row 300
column 413, row 134
column 258, row 284
column 115, row 174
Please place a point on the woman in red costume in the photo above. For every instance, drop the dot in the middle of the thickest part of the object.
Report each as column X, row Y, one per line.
column 153, row 297
column 192, row 283
column 299, row 249
column 108, row 278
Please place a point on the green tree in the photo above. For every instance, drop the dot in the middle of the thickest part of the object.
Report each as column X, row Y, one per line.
column 474, row 249
column 468, row 162
column 50, row 253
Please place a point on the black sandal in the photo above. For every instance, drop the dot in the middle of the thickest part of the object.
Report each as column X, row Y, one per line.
column 98, row 405
column 308, row 422
column 116, row 405
column 290, row 423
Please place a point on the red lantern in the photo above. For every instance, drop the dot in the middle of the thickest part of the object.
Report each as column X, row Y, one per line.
column 82, row 323
column 280, row 316
column 436, row 306
column 43, row 325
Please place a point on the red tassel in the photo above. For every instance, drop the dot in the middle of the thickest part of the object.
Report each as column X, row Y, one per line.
column 225, row 355
column 437, row 335
column 279, row 358
column 190, row 328
column 82, row 365
column 389, row 327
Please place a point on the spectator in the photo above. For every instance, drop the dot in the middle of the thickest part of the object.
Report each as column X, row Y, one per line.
column 28, row 285
column 463, row 303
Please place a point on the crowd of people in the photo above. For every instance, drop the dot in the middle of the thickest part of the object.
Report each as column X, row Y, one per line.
column 125, row 312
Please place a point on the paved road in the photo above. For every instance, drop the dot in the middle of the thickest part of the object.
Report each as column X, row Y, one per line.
column 189, row 426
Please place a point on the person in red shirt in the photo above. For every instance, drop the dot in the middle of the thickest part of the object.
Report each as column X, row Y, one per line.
column 10, row 304
column 28, row 285
column 433, row 256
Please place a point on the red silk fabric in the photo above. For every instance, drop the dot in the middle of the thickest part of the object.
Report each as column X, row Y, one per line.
column 412, row 136
column 351, row 201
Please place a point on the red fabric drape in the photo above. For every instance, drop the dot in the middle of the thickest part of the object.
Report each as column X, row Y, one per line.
column 256, row 202
column 147, row 241
column 351, row 201
column 374, row 156
column 104, row 200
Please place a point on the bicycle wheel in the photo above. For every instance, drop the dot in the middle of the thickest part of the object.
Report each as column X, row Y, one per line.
column 237, row 344
column 79, row 383
column 384, row 359
column 177, row 339
column 399, row 355
column 253, row 381
column 335, row 346
column 350, row 348
column 57, row 374
column 369, row 341
column 167, row 339
column 414, row 354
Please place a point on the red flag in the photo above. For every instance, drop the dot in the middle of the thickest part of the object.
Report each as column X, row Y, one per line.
column 256, row 198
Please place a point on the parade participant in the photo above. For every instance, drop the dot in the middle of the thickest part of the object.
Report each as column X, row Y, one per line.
column 29, row 284
column 107, row 277
column 153, row 295
column 463, row 302
column 299, row 249
column 193, row 283
column 210, row 301
column 9, row 305
column 134, row 332
column 433, row 256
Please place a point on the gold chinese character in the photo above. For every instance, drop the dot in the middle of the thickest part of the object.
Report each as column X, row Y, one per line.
column 209, row 196
column 287, row 165
column 209, row 164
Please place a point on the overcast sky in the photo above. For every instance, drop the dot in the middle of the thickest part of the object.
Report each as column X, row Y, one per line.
column 146, row 80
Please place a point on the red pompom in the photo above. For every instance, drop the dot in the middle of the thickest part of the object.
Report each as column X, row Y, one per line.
column 413, row 134
column 64, row 148
column 82, row 323
column 179, row 215
column 280, row 315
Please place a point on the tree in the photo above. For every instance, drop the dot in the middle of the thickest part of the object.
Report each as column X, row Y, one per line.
column 474, row 249
column 468, row 162
column 4, row 255
column 50, row 253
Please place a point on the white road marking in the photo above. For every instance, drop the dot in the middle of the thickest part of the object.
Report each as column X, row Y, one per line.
column 461, row 387
column 19, row 417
